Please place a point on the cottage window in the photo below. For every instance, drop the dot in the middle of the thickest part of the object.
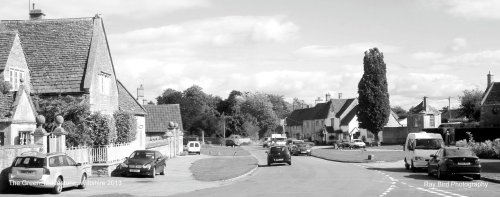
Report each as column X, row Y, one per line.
column 415, row 121
column 15, row 78
column 24, row 137
column 104, row 83
column 432, row 122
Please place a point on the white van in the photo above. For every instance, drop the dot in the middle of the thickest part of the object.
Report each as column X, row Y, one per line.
column 194, row 147
column 419, row 147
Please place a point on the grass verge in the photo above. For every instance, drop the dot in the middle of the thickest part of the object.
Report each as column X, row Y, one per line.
column 357, row 156
column 222, row 168
column 224, row 151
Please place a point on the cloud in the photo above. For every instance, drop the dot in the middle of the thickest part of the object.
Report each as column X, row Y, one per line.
column 487, row 57
column 322, row 51
column 470, row 9
column 427, row 55
column 458, row 44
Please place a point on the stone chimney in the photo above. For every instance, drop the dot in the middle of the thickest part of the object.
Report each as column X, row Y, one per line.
column 490, row 80
column 328, row 97
column 318, row 100
column 36, row 14
column 425, row 103
column 140, row 95
column 340, row 95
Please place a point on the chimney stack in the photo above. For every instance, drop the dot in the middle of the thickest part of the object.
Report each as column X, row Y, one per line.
column 340, row 95
column 318, row 100
column 425, row 103
column 140, row 95
column 328, row 97
column 490, row 80
column 36, row 14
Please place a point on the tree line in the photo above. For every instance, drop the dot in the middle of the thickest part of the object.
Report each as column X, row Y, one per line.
column 249, row 114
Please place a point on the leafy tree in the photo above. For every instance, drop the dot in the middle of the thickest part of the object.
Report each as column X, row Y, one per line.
column 102, row 129
column 280, row 106
column 259, row 106
column 374, row 108
column 169, row 96
column 126, row 126
column 5, row 86
column 402, row 113
column 470, row 104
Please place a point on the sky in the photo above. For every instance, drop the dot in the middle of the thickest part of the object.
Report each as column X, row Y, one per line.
column 295, row 48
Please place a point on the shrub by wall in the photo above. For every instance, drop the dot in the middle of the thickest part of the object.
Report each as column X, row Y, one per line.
column 102, row 129
column 126, row 126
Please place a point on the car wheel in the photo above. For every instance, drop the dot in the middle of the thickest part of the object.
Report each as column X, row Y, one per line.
column 58, row 187
column 413, row 169
column 429, row 171
column 163, row 169
column 476, row 177
column 290, row 162
column 407, row 166
column 83, row 183
column 153, row 174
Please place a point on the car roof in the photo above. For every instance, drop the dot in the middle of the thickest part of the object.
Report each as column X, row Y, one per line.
column 455, row 148
column 39, row 154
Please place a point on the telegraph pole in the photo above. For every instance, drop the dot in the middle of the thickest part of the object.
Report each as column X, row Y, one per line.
column 449, row 108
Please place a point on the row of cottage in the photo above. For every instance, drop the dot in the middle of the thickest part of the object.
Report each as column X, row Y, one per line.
column 336, row 119
column 52, row 57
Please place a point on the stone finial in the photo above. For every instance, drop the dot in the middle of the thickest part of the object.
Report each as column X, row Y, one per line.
column 40, row 120
column 59, row 130
column 59, row 120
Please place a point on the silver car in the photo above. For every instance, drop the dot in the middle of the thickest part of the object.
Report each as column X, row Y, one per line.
column 52, row 170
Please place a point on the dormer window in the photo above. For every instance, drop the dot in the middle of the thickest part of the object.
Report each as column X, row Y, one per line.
column 16, row 78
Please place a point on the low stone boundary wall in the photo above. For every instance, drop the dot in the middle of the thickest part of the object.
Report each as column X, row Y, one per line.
column 7, row 156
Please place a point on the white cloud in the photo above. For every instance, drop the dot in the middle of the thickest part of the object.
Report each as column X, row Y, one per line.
column 427, row 55
column 458, row 44
column 471, row 9
column 488, row 57
column 342, row 51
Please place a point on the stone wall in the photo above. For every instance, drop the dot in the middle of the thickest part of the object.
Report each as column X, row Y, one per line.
column 488, row 118
column 394, row 135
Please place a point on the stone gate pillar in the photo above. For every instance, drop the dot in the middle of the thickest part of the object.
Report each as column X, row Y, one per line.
column 171, row 139
column 40, row 135
column 60, row 135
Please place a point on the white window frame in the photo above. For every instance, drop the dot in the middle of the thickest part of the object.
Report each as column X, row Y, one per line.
column 15, row 76
column 104, row 83
column 24, row 137
column 432, row 120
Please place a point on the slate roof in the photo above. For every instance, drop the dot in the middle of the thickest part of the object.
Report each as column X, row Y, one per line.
column 343, row 104
column 320, row 111
column 127, row 102
column 6, row 41
column 421, row 109
column 347, row 119
column 455, row 114
column 492, row 96
column 9, row 103
column 56, row 51
column 160, row 115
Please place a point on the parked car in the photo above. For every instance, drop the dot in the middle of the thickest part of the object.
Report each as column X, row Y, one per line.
column 53, row 170
column 301, row 148
column 454, row 161
column 232, row 142
column 144, row 162
column 194, row 147
column 357, row 143
column 292, row 142
column 343, row 144
column 418, row 147
column 278, row 154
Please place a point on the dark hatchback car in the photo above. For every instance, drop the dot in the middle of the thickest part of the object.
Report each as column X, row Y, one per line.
column 302, row 149
column 144, row 162
column 454, row 161
column 279, row 154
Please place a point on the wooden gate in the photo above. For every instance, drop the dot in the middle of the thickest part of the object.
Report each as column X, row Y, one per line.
column 52, row 143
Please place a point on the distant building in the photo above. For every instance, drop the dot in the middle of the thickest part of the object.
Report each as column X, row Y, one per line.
column 423, row 116
column 158, row 119
column 452, row 115
column 490, row 104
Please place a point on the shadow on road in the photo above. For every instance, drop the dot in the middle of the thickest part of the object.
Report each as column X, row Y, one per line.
column 273, row 165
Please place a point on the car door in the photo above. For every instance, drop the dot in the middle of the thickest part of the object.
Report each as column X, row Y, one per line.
column 159, row 161
column 74, row 171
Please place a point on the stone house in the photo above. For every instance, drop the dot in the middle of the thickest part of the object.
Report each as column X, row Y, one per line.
column 66, row 57
column 490, row 104
column 128, row 103
column 158, row 119
column 423, row 116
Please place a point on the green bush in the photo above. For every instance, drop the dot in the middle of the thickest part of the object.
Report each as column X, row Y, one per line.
column 485, row 150
column 102, row 129
column 126, row 126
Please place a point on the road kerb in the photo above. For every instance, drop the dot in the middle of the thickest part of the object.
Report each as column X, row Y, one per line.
column 490, row 179
column 241, row 176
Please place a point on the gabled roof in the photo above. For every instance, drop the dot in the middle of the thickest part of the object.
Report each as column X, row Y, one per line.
column 6, row 42
column 421, row 109
column 492, row 96
column 344, row 103
column 10, row 101
column 348, row 118
column 56, row 50
column 455, row 114
column 126, row 101
column 320, row 111
column 159, row 117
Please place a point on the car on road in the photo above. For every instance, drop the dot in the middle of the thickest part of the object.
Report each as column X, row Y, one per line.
column 279, row 154
column 52, row 170
column 266, row 142
column 343, row 144
column 194, row 147
column 232, row 142
column 144, row 162
column 301, row 149
column 292, row 142
column 449, row 161
column 418, row 147
column 357, row 143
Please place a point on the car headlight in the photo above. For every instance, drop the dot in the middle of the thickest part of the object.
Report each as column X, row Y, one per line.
column 123, row 165
column 419, row 158
column 147, row 166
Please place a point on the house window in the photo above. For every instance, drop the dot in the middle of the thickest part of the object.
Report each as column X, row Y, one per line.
column 104, row 83
column 432, row 122
column 15, row 78
column 24, row 137
column 415, row 121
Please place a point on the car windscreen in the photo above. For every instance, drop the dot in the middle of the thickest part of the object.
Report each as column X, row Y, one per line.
column 142, row 155
column 459, row 153
column 30, row 162
column 305, row 145
column 280, row 139
column 428, row 143
column 277, row 149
